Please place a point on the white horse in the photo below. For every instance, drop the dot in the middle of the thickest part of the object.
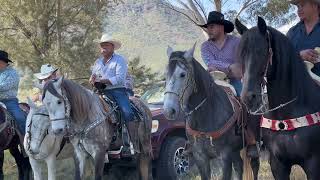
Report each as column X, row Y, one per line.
column 41, row 144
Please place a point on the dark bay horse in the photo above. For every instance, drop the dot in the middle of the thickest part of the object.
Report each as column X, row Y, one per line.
column 9, row 140
column 212, row 115
column 290, row 127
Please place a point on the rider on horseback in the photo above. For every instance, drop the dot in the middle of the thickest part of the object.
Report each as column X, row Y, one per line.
column 47, row 73
column 219, row 53
column 305, row 35
column 9, row 83
column 109, row 75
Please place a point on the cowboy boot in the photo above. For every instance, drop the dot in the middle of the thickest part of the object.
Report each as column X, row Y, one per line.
column 128, row 149
column 126, row 142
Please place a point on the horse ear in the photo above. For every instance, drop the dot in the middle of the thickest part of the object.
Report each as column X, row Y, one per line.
column 240, row 27
column 262, row 25
column 169, row 51
column 59, row 82
column 188, row 55
column 31, row 103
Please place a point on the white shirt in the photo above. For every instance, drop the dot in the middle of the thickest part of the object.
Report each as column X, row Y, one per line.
column 115, row 69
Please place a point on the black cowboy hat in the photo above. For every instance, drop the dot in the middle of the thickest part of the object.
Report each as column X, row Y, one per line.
column 4, row 56
column 216, row 17
column 295, row 2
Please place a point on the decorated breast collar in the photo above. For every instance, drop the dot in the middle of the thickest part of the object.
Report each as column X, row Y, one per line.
column 290, row 124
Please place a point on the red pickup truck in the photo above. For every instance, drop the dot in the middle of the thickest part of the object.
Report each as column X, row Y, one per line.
column 168, row 138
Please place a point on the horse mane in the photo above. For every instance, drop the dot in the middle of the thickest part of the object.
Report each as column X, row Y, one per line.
column 83, row 102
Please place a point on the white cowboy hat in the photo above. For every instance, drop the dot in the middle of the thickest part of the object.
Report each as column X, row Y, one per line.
column 109, row 39
column 45, row 71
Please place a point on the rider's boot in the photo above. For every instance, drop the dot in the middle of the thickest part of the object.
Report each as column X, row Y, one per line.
column 127, row 133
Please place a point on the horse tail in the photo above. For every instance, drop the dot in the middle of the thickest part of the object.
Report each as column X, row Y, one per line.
column 247, row 169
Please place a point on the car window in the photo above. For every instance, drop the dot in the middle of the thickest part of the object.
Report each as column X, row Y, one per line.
column 154, row 95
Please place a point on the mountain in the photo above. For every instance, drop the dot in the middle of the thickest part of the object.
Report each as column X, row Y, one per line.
column 147, row 27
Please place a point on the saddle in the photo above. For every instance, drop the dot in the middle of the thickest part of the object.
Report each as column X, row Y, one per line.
column 116, row 119
column 221, row 79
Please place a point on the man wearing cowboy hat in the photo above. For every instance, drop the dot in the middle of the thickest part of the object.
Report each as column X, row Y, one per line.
column 9, row 83
column 109, row 75
column 47, row 73
column 305, row 35
column 219, row 53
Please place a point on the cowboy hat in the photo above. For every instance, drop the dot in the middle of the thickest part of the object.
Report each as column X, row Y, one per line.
column 46, row 71
column 295, row 2
column 4, row 57
column 107, row 38
column 216, row 17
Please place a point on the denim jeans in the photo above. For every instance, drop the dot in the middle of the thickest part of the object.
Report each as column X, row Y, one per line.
column 13, row 107
column 237, row 84
column 122, row 100
column 316, row 69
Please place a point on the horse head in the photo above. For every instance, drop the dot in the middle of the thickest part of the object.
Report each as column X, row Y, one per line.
column 57, row 105
column 255, row 53
column 38, row 124
column 179, row 81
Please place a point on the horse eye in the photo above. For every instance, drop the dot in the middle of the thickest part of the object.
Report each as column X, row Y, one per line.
column 59, row 102
column 182, row 75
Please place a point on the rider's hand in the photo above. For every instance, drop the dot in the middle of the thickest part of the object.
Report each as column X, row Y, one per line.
column 235, row 71
column 92, row 79
column 310, row 55
column 106, row 81
column 211, row 68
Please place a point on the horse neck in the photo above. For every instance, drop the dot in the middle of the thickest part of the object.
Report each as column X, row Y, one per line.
column 213, row 114
column 291, row 81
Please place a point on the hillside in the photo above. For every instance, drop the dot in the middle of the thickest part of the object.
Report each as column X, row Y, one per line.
column 146, row 28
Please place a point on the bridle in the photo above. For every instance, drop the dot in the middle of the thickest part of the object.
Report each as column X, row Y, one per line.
column 190, row 82
column 264, row 83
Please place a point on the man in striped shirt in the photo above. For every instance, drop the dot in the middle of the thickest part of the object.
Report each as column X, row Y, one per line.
column 219, row 52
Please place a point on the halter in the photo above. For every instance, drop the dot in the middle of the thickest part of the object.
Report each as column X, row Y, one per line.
column 67, row 107
column 180, row 95
column 259, row 111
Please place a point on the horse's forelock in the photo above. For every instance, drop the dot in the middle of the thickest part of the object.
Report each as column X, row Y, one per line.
column 49, row 87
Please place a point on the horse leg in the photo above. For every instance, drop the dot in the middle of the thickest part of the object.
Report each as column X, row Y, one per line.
column 203, row 164
column 51, row 165
column 255, row 165
column 1, row 164
column 19, row 161
column 279, row 170
column 227, row 166
column 99, row 163
column 79, row 162
column 144, row 165
column 311, row 168
column 36, row 168
column 237, row 165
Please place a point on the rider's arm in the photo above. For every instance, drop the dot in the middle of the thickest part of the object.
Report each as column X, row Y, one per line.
column 8, row 80
column 121, row 72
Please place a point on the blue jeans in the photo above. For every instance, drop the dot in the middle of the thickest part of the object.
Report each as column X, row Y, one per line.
column 236, row 83
column 316, row 69
column 122, row 100
column 16, row 112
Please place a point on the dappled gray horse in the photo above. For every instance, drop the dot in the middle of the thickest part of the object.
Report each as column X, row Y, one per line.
column 79, row 112
column 41, row 144
column 212, row 115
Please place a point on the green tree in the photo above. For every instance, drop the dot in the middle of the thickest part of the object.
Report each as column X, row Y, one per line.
column 60, row 32
column 143, row 76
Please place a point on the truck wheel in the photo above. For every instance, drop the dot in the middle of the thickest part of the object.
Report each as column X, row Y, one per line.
column 172, row 163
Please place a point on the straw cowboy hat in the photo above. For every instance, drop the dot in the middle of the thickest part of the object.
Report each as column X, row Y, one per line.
column 216, row 17
column 4, row 57
column 295, row 2
column 46, row 71
column 107, row 38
